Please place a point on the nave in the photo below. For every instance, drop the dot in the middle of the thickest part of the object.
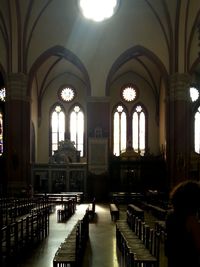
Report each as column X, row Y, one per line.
column 101, row 249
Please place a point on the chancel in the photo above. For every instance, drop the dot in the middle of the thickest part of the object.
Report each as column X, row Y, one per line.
column 99, row 121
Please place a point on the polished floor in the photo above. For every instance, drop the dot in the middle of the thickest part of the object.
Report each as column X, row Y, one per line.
column 101, row 248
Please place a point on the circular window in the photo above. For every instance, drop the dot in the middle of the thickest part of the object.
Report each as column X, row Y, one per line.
column 67, row 94
column 128, row 93
column 98, row 10
column 194, row 93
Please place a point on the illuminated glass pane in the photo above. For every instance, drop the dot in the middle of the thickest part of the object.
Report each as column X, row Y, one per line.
column 138, row 130
column 77, row 128
column 194, row 94
column 54, row 138
column 54, row 148
column 135, row 127
column 67, row 94
column 2, row 94
column 61, row 136
column 1, row 133
column 73, row 127
column 54, row 122
column 119, row 134
column 61, row 123
column 197, row 132
column 58, row 127
column 123, row 132
column 80, row 130
column 129, row 94
column 142, row 132
column 116, row 150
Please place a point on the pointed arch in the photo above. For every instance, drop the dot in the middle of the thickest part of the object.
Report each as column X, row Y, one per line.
column 61, row 52
column 129, row 54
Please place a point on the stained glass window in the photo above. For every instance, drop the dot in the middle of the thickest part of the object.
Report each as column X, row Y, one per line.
column 197, row 131
column 129, row 93
column 138, row 130
column 57, row 127
column 194, row 93
column 67, row 94
column 2, row 100
column 77, row 128
column 119, row 130
column 1, row 133
column 2, row 94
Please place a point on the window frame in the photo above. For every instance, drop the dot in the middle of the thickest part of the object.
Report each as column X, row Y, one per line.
column 64, row 87
column 136, row 91
column 2, row 111
column 52, row 109
column 196, row 106
column 84, row 123
column 146, row 124
column 127, row 116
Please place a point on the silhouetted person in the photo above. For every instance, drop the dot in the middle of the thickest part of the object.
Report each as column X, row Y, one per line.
column 182, row 245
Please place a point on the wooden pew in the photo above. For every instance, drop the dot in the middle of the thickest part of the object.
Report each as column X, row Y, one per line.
column 23, row 233
column 91, row 209
column 139, row 248
column 70, row 252
column 114, row 212
column 157, row 211
column 135, row 210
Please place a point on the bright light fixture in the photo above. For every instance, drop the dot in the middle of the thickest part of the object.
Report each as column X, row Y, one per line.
column 98, row 10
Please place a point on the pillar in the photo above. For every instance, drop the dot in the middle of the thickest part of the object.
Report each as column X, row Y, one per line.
column 17, row 143
column 178, row 135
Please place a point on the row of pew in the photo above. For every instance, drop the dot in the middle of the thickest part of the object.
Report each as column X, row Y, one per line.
column 23, row 233
column 138, row 243
column 13, row 208
column 25, row 222
column 71, row 250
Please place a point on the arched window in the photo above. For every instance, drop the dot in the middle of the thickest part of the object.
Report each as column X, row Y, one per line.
column 1, row 133
column 57, row 127
column 77, row 128
column 119, row 130
column 138, row 129
column 197, row 131
column 2, row 100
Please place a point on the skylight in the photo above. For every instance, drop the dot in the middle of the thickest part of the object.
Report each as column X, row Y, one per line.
column 98, row 10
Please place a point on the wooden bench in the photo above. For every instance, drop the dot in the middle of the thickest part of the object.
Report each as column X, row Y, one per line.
column 157, row 211
column 135, row 210
column 139, row 248
column 114, row 212
column 22, row 233
column 70, row 252
column 91, row 209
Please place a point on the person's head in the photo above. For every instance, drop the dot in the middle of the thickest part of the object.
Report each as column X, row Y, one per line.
column 185, row 197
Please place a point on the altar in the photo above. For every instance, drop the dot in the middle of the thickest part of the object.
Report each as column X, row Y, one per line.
column 63, row 173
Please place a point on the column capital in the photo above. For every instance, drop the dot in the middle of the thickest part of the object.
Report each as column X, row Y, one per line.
column 179, row 86
column 17, row 87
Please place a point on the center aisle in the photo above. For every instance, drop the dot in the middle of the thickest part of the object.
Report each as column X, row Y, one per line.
column 101, row 249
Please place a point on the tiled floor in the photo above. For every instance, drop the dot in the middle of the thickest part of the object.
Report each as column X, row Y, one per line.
column 101, row 248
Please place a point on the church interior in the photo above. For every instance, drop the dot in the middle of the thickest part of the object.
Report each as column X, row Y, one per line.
column 99, row 116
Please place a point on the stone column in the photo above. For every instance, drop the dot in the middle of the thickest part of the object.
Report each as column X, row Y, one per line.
column 17, row 133
column 178, row 128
